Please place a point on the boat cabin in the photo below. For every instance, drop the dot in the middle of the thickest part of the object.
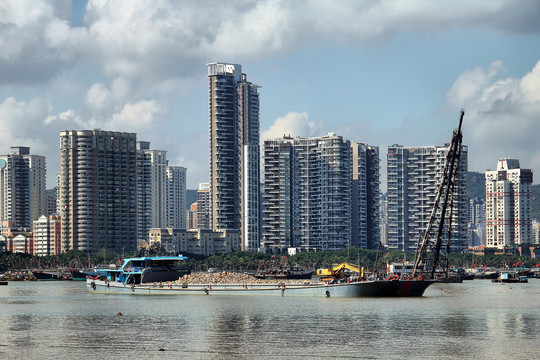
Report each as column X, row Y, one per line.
column 146, row 269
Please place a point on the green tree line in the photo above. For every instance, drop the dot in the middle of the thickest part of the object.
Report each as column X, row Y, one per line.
column 250, row 261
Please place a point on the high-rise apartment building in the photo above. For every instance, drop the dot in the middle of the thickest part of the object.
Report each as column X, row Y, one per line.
column 151, row 189
column 22, row 187
column 51, row 203
column 233, row 106
column 191, row 216
column 414, row 175
column 383, row 220
column 176, row 196
column 477, row 222
column 280, row 171
column 98, row 192
column 161, row 191
column 307, row 193
column 508, row 205
column 365, row 196
column 203, row 207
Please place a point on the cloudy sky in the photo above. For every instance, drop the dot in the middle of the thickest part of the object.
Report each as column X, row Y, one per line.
column 380, row 72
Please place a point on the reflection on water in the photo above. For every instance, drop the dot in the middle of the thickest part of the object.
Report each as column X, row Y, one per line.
column 21, row 324
column 475, row 319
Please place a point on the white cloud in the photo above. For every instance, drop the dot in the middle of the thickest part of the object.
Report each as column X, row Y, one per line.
column 29, row 123
column 98, row 96
column 502, row 115
column 142, row 115
column 150, row 41
column 65, row 117
column 21, row 120
column 293, row 124
column 37, row 41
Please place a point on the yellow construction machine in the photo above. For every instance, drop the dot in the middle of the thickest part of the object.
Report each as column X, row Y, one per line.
column 340, row 271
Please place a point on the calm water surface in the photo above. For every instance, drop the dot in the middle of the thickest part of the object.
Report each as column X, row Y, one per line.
column 473, row 320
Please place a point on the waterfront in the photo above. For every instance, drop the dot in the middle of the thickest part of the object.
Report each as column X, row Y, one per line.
column 476, row 319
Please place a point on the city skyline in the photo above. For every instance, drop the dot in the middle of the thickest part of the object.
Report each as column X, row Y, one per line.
column 381, row 73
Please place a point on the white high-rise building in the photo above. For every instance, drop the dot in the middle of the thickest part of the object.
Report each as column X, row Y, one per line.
column 233, row 106
column 508, row 205
column 365, row 219
column 161, row 191
column 203, row 206
column 477, row 222
column 22, row 187
column 176, row 196
column 151, row 189
column 414, row 175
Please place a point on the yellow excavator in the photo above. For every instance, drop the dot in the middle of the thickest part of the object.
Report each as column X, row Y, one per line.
column 340, row 271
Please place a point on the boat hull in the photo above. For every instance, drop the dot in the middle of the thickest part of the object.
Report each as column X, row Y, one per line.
column 378, row 288
column 77, row 275
column 45, row 275
column 487, row 275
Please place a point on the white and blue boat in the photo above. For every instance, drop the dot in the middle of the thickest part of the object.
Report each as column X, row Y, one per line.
column 143, row 270
column 510, row 277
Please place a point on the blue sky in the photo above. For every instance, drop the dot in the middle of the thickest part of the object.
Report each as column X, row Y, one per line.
column 379, row 72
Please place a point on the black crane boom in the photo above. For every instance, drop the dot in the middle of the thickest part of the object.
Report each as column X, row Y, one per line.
column 432, row 256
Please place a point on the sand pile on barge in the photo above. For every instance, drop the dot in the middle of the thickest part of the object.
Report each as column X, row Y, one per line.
column 231, row 278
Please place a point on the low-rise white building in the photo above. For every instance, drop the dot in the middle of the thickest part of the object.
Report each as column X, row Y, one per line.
column 196, row 241
column 47, row 240
column 22, row 244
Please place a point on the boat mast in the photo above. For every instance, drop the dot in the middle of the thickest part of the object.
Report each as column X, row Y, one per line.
column 433, row 255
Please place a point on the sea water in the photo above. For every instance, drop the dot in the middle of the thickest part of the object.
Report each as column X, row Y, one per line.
column 474, row 320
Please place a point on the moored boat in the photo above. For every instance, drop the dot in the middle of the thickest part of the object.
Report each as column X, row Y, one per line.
column 296, row 272
column 160, row 275
column 486, row 274
column 299, row 272
column 369, row 288
column 282, row 270
column 45, row 275
column 78, row 275
column 144, row 270
column 511, row 277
